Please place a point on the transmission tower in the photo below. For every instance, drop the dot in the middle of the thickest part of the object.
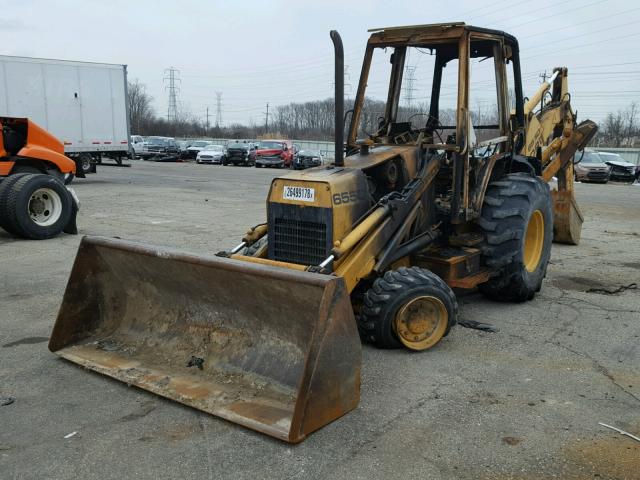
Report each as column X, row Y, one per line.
column 218, row 109
column 172, row 80
column 347, row 81
column 409, row 88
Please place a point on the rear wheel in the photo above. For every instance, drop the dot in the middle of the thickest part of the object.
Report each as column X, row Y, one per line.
column 517, row 220
column 5, row 187
column 84, row 163
column 410, row 307
column 36, row 207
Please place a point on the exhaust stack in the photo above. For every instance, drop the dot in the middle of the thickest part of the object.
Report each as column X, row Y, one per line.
column 339, row 97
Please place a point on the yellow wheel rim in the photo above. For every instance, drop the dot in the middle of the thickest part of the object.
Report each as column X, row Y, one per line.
column 421, row 322
column 533, row 241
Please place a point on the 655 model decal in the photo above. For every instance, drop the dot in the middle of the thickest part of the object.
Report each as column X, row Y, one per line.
column 348, row 197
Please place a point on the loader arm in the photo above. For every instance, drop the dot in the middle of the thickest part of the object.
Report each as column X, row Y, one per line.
column 374, row 243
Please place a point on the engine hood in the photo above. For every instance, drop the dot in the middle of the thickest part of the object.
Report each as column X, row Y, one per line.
column 590, row 166
column 618, row 163
column 269, row 151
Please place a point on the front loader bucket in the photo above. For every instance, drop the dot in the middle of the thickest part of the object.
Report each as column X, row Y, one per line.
column 272, row 349
column 567, row 218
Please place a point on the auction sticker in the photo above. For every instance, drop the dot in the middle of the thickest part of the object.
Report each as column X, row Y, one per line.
column 303, row 194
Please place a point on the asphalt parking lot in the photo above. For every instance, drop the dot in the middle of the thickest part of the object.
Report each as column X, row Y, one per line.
column 521, row 403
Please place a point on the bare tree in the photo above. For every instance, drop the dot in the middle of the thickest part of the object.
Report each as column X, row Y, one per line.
column 613, row 129
column 139, row 103
column 631, row 120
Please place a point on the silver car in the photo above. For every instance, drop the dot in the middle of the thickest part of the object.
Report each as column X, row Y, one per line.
column 210, row 154
column 591, row 168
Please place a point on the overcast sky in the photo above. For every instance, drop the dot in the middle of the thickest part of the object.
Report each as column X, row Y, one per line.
column 256, row 52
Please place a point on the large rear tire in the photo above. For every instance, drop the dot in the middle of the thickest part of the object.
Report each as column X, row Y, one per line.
column 5, row 187
column 410, row 307
column 37, row 207
column 517, row 219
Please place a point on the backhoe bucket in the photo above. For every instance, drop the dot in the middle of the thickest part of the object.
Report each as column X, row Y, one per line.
column 272, row 349
column 567, row 217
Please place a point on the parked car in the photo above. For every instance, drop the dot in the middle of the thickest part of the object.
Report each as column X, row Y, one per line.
column 195, row 147
column 210, row 154
column 621, row 170
column 158, row 147
column 183, row 144
column 137, row 145
column 240, row 154
column 307, row 159
column 591, row 168
column 275, row 153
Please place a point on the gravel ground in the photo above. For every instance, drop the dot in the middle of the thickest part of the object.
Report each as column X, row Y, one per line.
column 522, row 403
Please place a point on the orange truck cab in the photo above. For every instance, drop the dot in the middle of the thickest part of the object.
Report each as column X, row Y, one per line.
column 27, row 148
column 34, row 201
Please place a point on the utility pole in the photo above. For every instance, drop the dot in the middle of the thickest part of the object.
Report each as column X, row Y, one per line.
column 218, row 109
column 266, row 120
column 171, row 80
column 207, row 120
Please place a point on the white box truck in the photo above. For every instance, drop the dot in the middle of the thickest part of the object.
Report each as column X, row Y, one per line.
column 83, row 104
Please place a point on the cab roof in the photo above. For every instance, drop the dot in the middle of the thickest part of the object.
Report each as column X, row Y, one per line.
column 416, row 34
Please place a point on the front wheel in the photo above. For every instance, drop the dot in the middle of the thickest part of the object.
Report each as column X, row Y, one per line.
column 36, row 207
column 410, row 307
column 517, row 219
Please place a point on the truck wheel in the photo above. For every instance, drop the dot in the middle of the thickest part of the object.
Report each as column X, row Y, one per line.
column 84, row 163
column 36, row 207
column 5, row 187
column 410, row 306
column 517, row 220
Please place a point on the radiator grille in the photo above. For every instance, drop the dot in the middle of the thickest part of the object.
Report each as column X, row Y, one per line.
column 299, row 241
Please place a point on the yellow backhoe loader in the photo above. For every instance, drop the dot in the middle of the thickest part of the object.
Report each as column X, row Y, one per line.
column 268, row 334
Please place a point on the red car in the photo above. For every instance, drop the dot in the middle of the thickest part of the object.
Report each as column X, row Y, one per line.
column 275, row 153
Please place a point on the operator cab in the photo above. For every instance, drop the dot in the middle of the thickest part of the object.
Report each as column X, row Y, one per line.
column 449, row 90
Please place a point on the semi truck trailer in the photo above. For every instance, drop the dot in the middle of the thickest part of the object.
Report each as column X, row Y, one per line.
column 83, row 104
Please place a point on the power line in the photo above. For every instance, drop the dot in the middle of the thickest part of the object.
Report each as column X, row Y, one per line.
column 561, row 40
column 557, row 14
column 597, row 19
column 599, row 42
column 497, row 10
